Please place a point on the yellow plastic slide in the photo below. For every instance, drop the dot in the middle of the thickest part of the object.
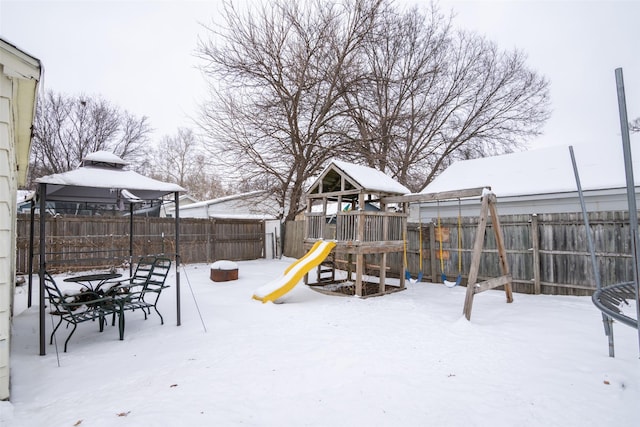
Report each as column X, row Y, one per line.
column 294, row 273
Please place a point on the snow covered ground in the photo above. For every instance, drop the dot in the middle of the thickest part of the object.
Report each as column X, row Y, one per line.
column 405, row 359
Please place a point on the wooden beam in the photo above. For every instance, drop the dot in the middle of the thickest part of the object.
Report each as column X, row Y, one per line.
column 502, row 253
column 383, row 272
column 359, row 272
column 488, row 208
column 333, row 194
column 432, row 197
column 353, row 246
column 475, row 257
column 491, row 284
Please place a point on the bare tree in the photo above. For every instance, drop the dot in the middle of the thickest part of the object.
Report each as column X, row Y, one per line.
column 277, row 74
column 67, row 128
column 296, row 83
column 180, row 159
column 434, row 95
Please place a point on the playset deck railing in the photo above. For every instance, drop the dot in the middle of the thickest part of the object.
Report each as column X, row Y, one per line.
column 363, row 226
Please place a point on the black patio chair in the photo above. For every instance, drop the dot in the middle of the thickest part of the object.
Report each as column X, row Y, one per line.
column 79, row 307
column 140, row 276
column 134, row 293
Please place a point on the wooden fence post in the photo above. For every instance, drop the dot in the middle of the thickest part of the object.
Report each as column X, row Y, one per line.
column 208, row 245
column 432, row 253
column 535, row 249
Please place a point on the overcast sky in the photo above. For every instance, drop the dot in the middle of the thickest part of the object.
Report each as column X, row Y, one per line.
column 139, row 55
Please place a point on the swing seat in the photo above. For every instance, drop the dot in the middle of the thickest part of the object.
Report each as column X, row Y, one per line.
column 451, row 284
column 407, row 275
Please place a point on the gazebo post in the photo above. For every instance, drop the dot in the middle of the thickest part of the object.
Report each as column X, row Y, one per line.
column 43, row 204
column 130, row 239
column 32, row 210
column 176, row 199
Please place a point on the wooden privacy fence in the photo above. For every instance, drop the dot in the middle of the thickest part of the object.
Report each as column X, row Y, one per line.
column 546, row 253
column 76, row 243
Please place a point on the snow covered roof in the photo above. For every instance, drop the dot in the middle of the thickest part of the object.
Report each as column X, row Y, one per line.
column 542, row 171
column 250, row 216
column 24, row 196
column 366, row 178
column 99, row 158
column 250, row 194
column 103, row 184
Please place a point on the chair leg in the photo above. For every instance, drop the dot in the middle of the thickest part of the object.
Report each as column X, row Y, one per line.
column 121, row 324
column 75, row 325
column 161, row 319
column 54, row 330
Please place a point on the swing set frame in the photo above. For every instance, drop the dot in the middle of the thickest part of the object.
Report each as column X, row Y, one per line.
column 488, row 210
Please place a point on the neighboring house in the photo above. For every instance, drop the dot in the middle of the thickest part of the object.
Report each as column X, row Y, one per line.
column 251, row 205
column 23, row 201
column 538, row 181
column 19, row 77
column 169, row 207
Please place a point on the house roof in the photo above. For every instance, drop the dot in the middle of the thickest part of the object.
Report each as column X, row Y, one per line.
column 542, row 171
column 210, row 202
column 25, row 70
column 357, row 177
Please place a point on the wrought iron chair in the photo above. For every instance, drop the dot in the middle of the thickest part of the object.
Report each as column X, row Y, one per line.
column 79, row 307
column 135, row 293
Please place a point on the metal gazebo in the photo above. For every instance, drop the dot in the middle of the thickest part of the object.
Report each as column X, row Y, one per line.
column 101, row 178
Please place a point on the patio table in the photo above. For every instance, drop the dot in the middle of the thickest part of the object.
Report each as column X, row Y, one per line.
column 98, row 279
column 88, row 280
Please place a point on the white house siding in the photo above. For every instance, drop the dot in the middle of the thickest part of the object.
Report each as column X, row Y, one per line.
column 234, row 207
column 19, row 76
column 272, row 235
column 7, row 229
column 196, row 212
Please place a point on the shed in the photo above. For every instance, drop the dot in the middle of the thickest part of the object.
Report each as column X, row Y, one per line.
column 538, row 181
column 20, row 75
column 358, row 231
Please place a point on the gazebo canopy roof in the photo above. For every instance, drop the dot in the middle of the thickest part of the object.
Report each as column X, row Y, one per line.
column 103, row 179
